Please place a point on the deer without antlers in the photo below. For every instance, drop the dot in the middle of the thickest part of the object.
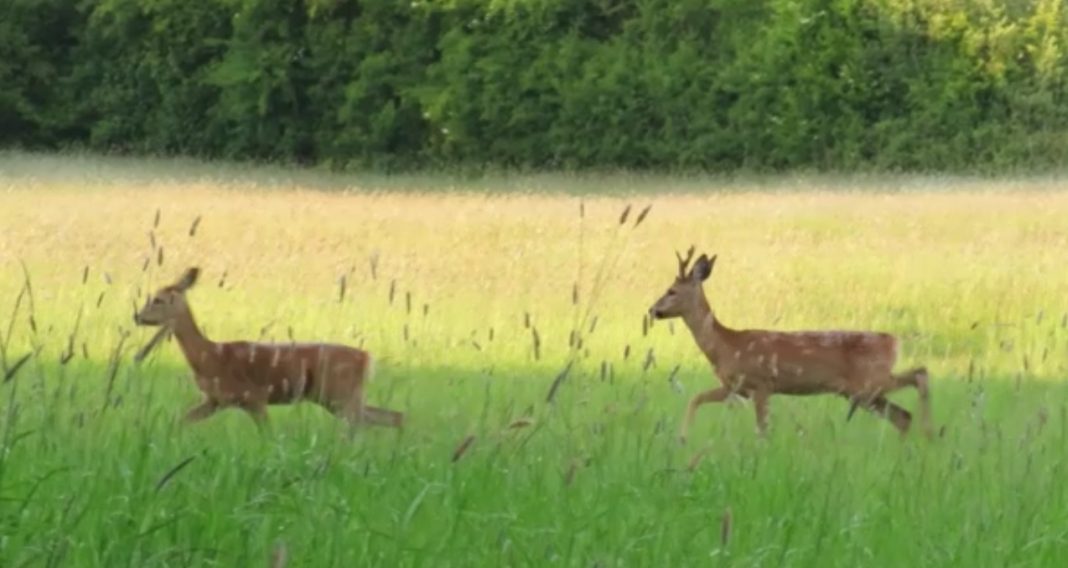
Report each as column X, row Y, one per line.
column 756, row 363
column 252, row 376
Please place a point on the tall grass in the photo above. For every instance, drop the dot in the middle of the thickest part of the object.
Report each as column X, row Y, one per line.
column 480, row 304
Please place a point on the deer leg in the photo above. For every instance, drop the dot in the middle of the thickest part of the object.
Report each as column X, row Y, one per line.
column 384, row 417
column 917, row 378
column 352, row 409
column 201, row 411
column 258, row 412
column 714, row 395
column 760, row 403
column 899, row 417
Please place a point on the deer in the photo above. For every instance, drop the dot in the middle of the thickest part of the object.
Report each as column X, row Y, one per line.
column 251, row 376
column 756, row 364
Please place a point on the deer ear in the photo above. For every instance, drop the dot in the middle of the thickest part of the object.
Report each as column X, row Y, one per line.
column 188, row 279
column 702, row 269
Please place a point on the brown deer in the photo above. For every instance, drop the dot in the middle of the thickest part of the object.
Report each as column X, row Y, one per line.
column 756, row 364
column 252, row 376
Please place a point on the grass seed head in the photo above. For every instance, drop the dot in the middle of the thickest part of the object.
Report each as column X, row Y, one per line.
column 520, row 423
column 373, row 262
column 462, row 448
column 695, row 460
column 725, row 527
column 642, row 215
column 279, row 556
column 572, row 469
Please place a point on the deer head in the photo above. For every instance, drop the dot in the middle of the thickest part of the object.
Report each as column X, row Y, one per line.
column 685, row 293
column 168, row 302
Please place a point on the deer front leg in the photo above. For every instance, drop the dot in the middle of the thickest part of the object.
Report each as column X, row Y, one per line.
column 715, row 395
column 201, row 411
column 760, row 403
column 384, row 417
column 258, row 412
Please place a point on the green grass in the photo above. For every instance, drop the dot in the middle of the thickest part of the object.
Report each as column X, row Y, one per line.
column 95, row 470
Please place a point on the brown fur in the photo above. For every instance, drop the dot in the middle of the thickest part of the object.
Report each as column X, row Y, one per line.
column 252, row 376
column 759, row 363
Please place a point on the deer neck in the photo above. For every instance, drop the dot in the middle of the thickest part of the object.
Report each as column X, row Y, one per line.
column 709, row 334
column 199, row 351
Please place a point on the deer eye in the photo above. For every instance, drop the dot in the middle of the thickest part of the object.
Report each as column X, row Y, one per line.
column 671, row 292
column 157, row 301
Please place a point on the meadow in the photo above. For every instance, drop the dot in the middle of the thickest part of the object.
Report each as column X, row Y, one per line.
column 478, row 298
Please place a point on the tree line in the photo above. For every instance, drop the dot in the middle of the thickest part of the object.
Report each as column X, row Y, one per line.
column 712, row 85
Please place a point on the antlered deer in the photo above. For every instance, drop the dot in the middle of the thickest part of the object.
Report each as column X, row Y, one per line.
column 252, row 376
column 759, row 363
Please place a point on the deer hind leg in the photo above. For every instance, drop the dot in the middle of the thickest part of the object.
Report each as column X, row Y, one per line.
column 383, row 417
column 201, row 411
column 878, row 404
column 714, row 395
column 917, row 378
column 349, row 406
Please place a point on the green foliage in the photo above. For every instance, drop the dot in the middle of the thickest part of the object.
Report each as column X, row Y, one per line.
column 692, row 84
column 35, row 41
column 140, row 77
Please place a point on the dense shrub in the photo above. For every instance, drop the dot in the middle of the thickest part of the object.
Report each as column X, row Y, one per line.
column 666, row 84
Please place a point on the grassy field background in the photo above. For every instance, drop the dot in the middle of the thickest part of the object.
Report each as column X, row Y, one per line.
column 466, row 293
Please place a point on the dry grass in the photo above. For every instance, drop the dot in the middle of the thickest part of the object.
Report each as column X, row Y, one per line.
column 958, row 273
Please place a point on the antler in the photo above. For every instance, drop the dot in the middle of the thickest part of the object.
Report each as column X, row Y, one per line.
column 683, row 263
